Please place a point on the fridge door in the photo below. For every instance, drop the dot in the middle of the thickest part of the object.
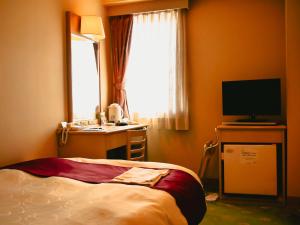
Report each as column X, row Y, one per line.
column 250, row 169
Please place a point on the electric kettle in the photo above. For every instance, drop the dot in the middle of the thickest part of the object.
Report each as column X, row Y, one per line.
column 115, row 113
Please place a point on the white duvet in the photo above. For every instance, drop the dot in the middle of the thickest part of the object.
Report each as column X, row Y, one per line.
column 29, row 200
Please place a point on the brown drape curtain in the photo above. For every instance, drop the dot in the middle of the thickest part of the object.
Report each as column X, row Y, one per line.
column 121, row 30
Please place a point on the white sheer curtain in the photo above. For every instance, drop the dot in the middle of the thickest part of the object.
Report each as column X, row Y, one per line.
column 156, row 71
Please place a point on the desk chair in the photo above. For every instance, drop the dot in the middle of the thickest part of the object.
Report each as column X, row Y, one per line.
column 136, row 144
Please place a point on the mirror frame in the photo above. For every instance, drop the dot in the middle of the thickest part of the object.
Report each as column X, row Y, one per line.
column 73, row 28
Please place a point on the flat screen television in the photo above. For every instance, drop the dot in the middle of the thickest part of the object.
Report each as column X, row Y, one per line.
column 251, row 97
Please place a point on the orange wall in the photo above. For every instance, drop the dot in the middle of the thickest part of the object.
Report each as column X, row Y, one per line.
column 32, row 74
column 293, row 94
column 227, row 39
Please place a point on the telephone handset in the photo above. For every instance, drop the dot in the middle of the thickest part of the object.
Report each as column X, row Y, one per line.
column 64, row 133
column 64, row 130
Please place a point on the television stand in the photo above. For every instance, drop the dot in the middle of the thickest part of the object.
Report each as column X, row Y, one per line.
column 248, row 169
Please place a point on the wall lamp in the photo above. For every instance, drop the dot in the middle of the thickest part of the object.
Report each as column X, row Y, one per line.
column 92, row 27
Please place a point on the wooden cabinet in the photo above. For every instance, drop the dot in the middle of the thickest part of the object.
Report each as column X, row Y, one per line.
column 231, row 135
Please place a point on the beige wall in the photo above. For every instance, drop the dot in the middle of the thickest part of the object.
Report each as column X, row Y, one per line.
column 32, row 74
column 293, row 95
column 227, row 39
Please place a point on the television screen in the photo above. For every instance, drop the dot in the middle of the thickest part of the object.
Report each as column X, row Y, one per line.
column 251, row 97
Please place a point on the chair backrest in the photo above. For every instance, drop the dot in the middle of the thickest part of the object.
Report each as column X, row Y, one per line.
column 136, row 144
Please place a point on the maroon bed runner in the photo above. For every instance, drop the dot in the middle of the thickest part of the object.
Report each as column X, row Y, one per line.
column 187, row 191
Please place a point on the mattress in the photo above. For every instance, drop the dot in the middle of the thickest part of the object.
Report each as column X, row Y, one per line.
column 31, row 199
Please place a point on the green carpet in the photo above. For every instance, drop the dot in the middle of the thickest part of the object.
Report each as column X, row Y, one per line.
column 221, row 213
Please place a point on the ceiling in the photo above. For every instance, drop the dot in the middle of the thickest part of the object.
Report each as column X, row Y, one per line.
column 120, row 2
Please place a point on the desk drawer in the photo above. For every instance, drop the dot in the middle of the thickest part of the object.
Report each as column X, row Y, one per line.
column 116, row 140
column 258, row 136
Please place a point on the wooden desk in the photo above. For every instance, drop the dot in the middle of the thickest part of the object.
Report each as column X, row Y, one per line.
column 95, row 144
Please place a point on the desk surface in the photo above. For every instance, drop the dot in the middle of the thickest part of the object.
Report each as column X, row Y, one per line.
column 107, row 129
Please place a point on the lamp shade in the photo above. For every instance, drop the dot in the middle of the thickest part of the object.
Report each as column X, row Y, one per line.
column 92, row 26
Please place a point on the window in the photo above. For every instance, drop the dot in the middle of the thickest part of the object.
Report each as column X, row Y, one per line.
column 85, row 80
column 155, row 75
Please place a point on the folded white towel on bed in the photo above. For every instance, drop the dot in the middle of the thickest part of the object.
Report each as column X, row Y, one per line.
column 136, row 175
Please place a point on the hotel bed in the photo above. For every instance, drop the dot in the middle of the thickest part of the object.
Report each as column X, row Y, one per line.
column 55, row 191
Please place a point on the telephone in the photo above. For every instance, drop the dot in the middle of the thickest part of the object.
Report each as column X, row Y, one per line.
column 64, row 129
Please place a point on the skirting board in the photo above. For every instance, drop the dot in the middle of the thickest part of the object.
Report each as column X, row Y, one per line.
column 293, row 201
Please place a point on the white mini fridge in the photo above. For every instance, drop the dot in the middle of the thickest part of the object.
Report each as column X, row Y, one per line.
column 250, row 169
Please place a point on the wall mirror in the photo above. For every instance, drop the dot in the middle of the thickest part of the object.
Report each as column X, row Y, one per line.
column 82, row 71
